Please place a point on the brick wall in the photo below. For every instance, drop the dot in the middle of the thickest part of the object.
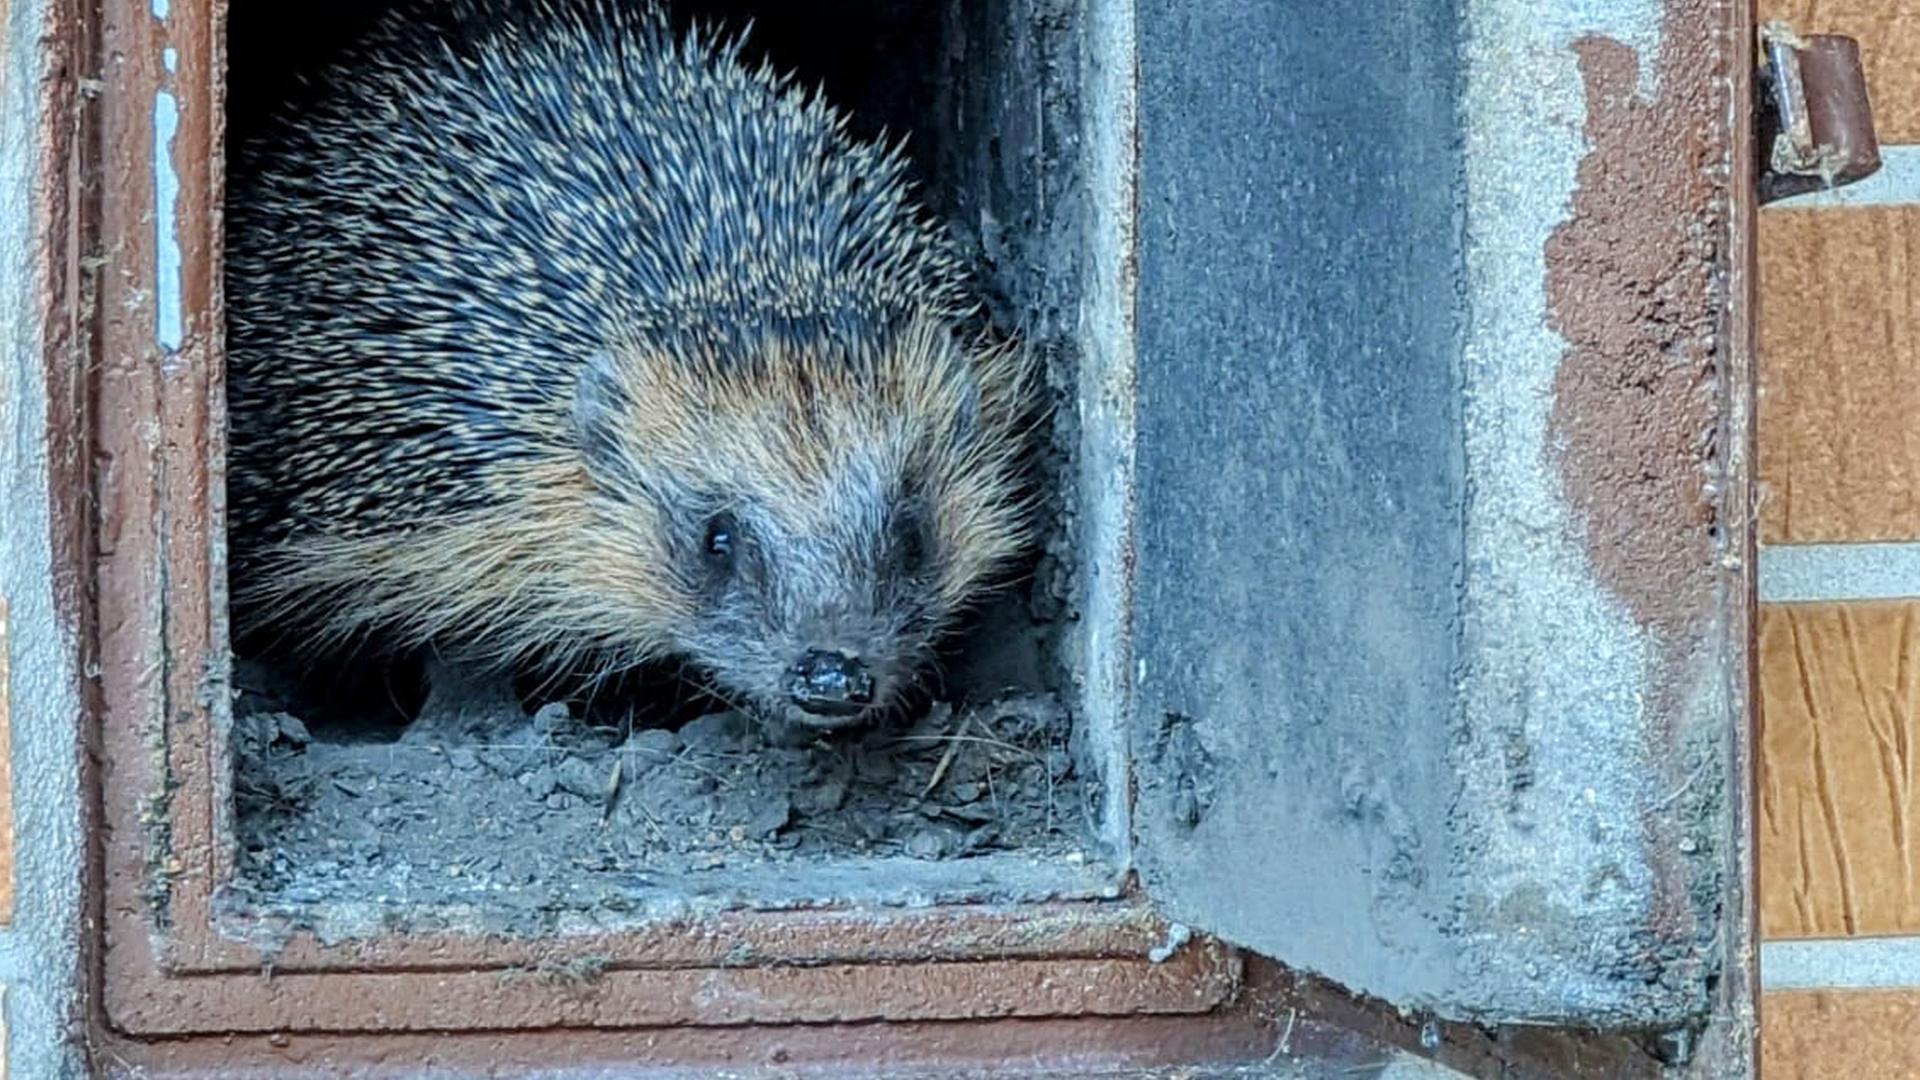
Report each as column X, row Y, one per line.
column 1839, row 820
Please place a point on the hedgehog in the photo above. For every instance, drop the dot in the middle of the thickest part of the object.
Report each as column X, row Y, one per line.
column 560, row 338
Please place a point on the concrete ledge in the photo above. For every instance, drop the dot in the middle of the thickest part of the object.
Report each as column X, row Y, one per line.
column 1802, row 573
column 1841, row 964
column 1897, row 183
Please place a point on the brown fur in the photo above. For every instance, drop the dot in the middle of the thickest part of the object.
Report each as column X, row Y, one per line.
column 562, row 569
column 531, row 299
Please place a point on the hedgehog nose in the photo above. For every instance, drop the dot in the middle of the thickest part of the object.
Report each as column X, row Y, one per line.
column 830, row 684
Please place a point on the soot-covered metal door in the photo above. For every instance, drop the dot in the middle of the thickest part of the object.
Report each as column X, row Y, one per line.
column 1439, row 640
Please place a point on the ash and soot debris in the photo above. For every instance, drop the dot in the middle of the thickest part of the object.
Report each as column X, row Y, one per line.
column 560, row 818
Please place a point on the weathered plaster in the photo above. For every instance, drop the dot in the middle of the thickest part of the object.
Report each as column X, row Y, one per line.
column 39, row 954
column 1579, row 683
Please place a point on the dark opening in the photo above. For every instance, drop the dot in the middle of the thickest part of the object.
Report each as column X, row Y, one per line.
column 614, row 798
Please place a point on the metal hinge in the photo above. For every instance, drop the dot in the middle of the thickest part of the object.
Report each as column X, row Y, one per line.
column 1816, row 122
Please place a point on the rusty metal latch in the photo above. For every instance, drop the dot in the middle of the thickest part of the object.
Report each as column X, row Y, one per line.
column 1816, row 122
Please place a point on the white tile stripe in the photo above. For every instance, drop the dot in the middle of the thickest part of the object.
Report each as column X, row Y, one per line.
column 1898, row 181
column 1841, row 964
column 1803, row 572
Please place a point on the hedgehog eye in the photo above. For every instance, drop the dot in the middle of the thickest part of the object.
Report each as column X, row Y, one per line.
column 722, row 537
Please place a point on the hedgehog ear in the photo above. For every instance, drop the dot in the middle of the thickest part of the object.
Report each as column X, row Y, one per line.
column 598, row 403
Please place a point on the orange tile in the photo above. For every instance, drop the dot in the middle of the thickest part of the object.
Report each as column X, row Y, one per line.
column 1840, row 374
column 1840, row 1035
column 1840, row 769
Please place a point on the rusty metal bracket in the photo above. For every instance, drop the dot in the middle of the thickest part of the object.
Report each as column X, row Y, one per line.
column 1816, row 122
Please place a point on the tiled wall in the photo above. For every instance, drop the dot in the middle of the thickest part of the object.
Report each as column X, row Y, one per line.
column 1839, row 436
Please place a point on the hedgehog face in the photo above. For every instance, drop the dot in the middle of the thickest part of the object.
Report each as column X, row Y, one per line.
column 823, row 513
column 818, row 618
